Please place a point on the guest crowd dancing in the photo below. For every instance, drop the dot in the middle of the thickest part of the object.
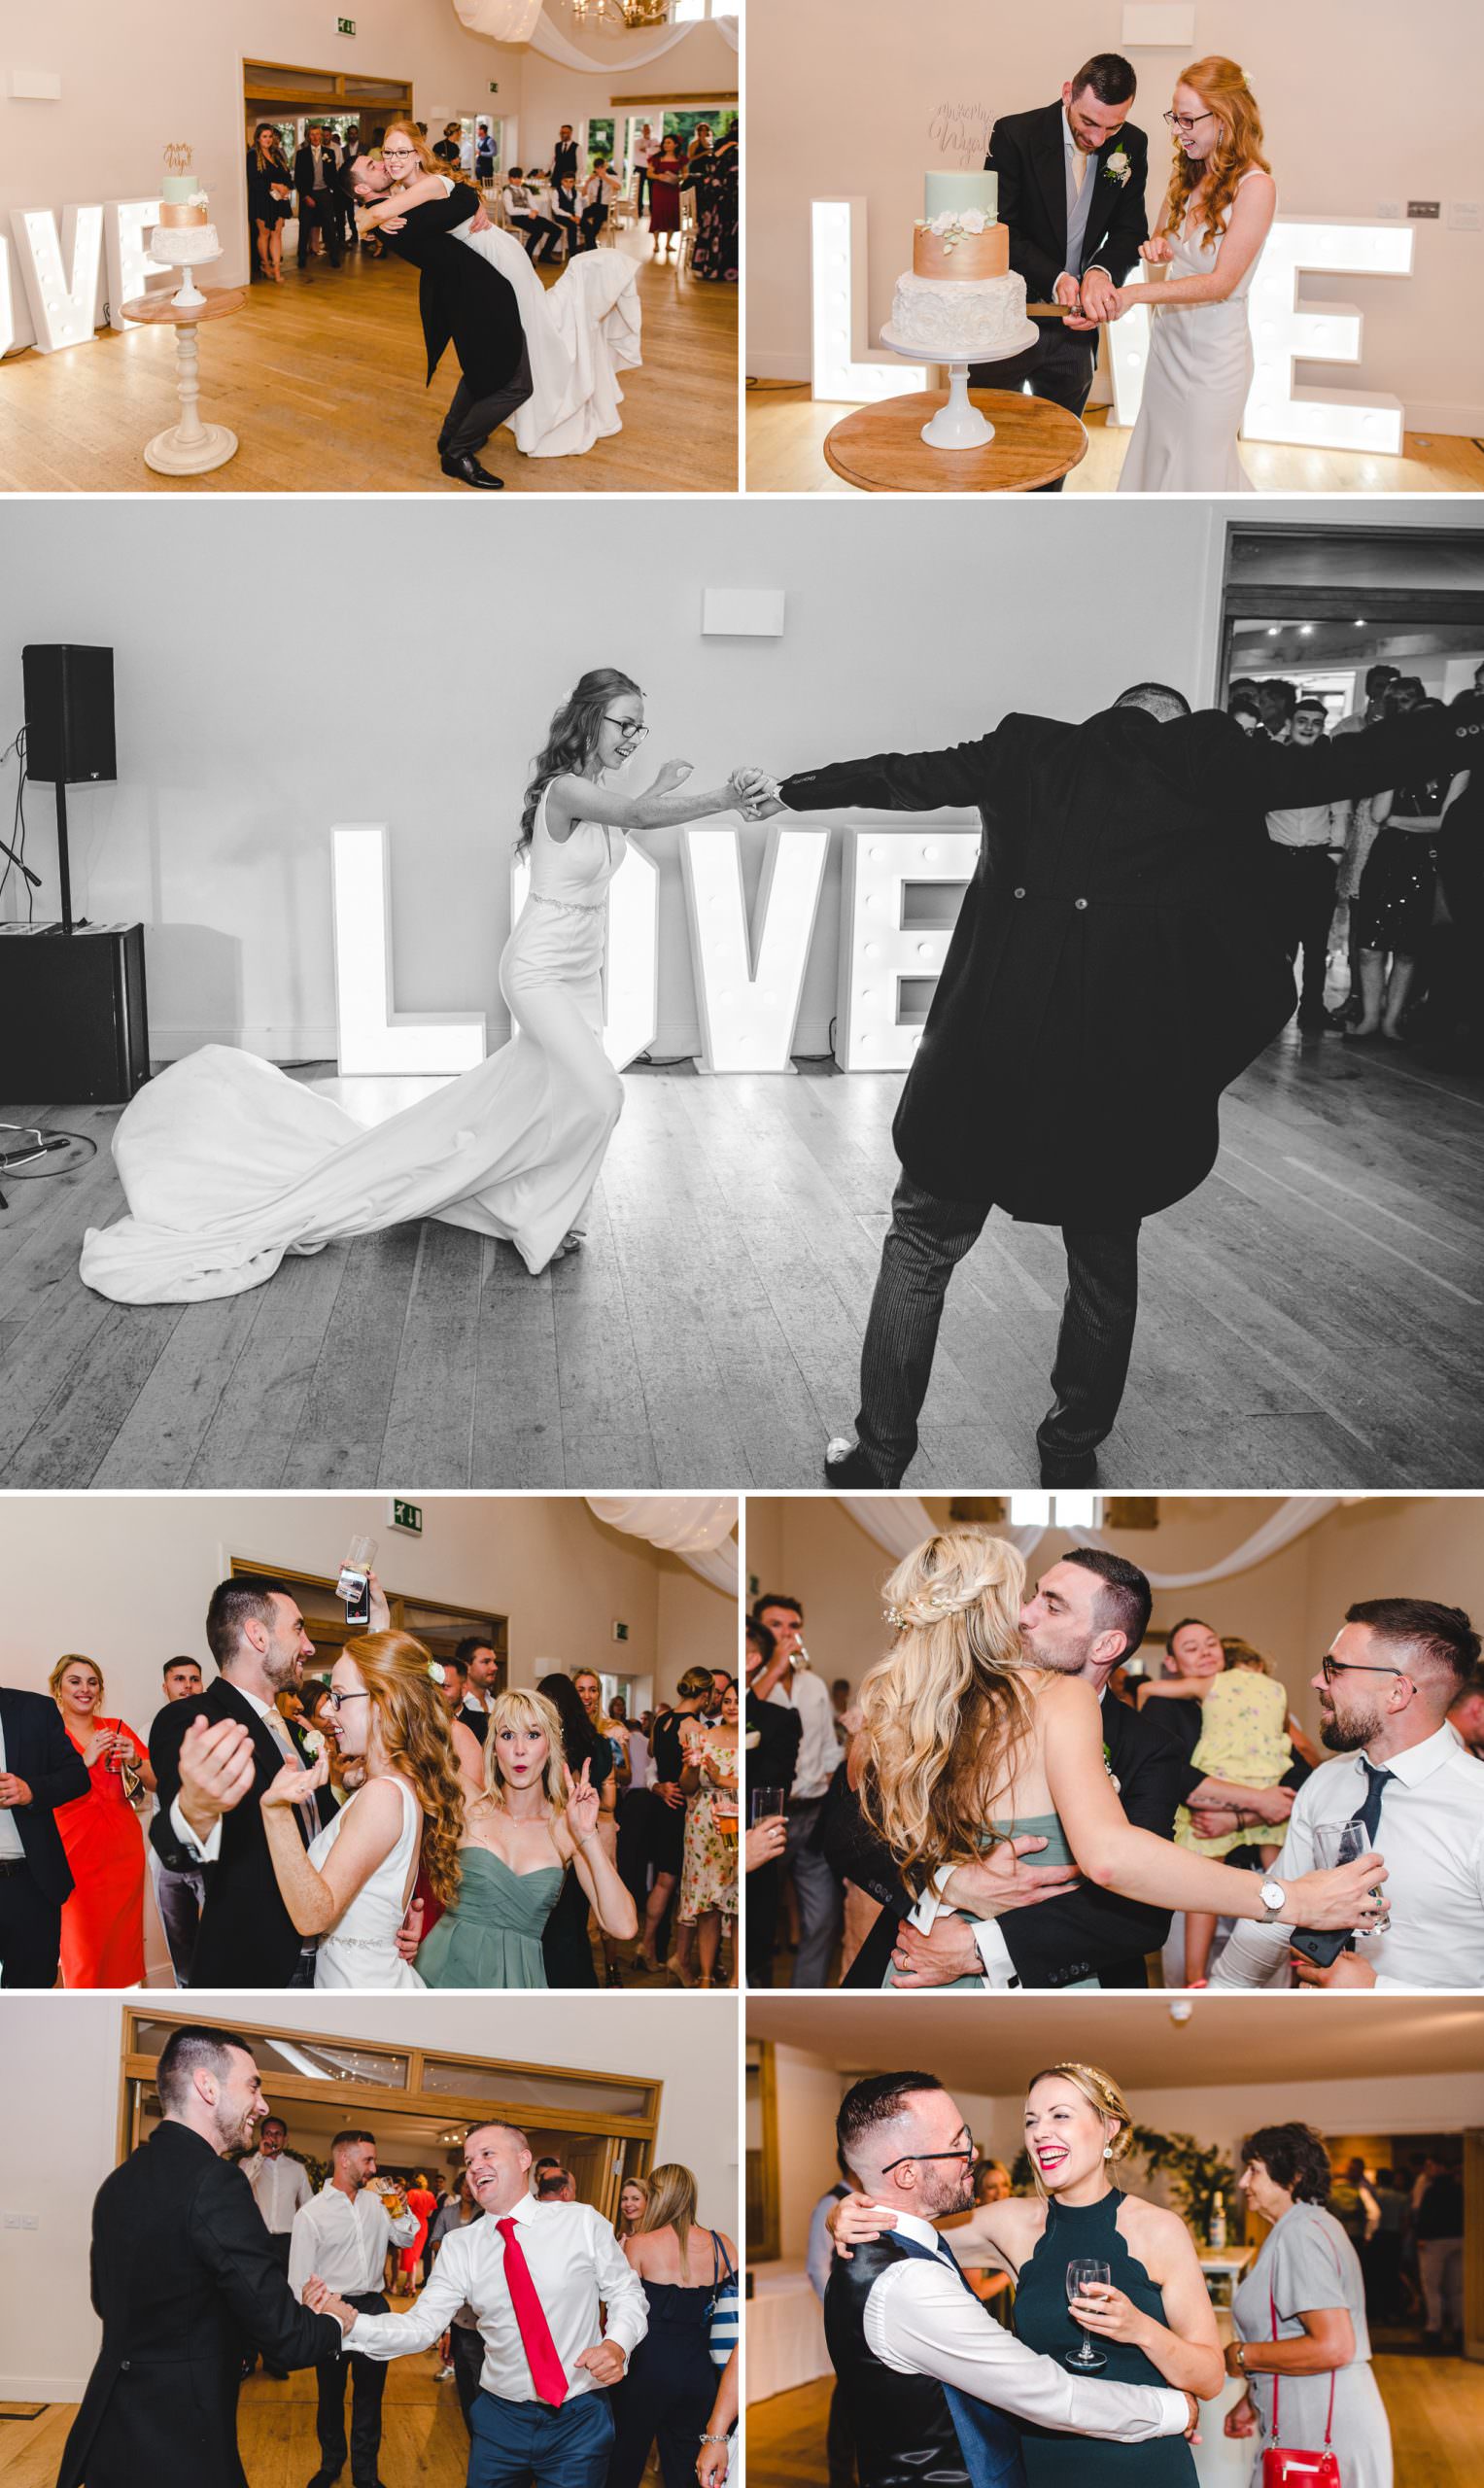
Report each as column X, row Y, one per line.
column 1011, row 1801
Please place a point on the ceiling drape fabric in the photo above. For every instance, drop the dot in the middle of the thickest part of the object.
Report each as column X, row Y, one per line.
column 698, row 1528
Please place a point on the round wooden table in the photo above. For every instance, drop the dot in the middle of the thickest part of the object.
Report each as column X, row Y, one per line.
column 189, row 447
column 881, row 448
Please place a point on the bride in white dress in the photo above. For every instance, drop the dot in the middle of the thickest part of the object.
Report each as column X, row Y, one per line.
column 353, row 1884
column 228, row 1164
column 580, row 333
column 1216, row 217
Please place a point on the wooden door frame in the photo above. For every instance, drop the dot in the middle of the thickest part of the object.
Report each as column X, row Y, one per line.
column 338, row 1633
column 1396, row 606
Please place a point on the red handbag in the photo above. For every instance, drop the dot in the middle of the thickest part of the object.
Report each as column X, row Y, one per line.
column 1284, row 2465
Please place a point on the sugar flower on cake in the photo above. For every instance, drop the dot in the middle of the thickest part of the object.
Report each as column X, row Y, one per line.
column 954, row 222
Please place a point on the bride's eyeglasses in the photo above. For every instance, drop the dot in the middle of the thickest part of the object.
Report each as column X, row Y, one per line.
column 340, row 1698
column 1184, row 123
column 632, row 735
column 394, row 154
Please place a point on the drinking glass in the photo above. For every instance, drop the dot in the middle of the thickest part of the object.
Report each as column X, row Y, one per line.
column 763, row 1803
column 1340, row 1845
column 1084, row 2274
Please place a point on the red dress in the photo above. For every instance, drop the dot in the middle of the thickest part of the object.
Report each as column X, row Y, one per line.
column 424, row 2204
column 103, row 1919
column 665, row 178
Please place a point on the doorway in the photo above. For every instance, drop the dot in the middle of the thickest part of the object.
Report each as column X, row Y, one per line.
column 438, row 1623
column 1321, row 604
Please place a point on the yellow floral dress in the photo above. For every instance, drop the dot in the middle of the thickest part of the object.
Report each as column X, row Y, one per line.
column 709, row 1872
column 1243, row 1737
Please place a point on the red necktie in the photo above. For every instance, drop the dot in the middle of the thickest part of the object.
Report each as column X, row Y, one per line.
column 547, row 2373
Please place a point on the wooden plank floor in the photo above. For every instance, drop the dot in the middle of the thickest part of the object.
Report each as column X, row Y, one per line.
column 1312, row 1316
column 786, row 430
column 322, row 379
column 1435, row 2407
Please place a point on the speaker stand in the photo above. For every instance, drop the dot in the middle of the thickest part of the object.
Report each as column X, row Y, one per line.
column 63, row 862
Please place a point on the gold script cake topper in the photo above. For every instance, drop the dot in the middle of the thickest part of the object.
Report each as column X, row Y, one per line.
column 178, row 157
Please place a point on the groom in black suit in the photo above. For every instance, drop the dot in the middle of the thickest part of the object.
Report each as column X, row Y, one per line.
column 1116, row 965
column 214, row 1755
column 40, row 1770
column 185, row 2280
column 1072, row 177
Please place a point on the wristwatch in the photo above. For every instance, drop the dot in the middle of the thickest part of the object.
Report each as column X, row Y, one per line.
column 1274, row 1899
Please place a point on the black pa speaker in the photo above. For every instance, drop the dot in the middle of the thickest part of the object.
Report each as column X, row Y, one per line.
column 69, row 704
column 74, row 1030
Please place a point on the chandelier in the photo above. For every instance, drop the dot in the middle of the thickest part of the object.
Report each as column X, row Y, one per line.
column 605, row 14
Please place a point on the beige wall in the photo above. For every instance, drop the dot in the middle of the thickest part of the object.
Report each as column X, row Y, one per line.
column 125, row 1579
column 1292, row 1605
column 847, row 100
column 61, row 2101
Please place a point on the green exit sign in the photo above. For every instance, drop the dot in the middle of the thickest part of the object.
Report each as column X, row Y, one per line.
column 345, row 25
column 408, row 1516
column 494, row 86
column 620, row 1628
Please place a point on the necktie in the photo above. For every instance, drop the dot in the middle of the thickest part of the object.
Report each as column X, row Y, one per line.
column 547, row 2372
column 1367, row 1814
column 1079, row 169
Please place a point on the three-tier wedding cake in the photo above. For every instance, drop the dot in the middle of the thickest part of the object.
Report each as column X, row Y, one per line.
column 960, row 302
column 185, row 236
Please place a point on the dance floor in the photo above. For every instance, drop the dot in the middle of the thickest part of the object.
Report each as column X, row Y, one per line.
column 322, row 379
column 1435, row 2407
column 1310, row 1318
column 786, row 430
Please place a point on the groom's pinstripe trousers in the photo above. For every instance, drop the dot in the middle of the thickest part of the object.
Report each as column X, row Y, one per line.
column 928, row 1237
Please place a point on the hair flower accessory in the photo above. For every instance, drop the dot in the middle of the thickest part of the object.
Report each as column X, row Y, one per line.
column 436, row 1672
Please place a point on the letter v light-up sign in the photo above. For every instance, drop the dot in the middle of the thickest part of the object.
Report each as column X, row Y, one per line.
column 373, row 1036
column 631, row 965
column 59, row 273
column 1285, row 331
column 900, row 896
column 747, row 1014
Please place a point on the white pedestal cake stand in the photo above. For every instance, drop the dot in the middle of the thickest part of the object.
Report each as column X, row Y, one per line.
column 190, row 447
column 958, row 423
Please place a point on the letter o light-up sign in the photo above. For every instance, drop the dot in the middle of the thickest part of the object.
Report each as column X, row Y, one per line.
column 1285, row 331
column 748, row 1016
column 888, row 963
column 630, row 967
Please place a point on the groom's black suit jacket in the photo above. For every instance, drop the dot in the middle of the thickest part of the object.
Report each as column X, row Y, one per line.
column 247, row 1937
column 39, row 1750
column 1087, row 1932
column 1028, row 153
column 1117, row 960
column 183, row 2278
column 464, row 302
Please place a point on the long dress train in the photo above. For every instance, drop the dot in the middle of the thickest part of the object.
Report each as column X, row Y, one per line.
column 228, row 1164
column 1195, row 389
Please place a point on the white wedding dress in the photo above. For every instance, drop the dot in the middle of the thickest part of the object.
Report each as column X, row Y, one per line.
column 228, row 1164
column 1195, row 389
column 579, row 335
column 360, row 1948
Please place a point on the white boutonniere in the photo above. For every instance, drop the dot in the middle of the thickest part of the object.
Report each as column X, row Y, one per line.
column 311, row 1743
column 1118, row 167
column 1112, row 1778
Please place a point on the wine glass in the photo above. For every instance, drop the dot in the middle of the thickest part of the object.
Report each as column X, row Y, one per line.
column 1084, row 2274
column 1340, row 1845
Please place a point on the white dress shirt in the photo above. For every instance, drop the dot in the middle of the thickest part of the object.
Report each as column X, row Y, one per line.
column 11, row 1843
column 576, row 2264
column 209, row 1849
column 1432, row 1837
column 818, row 1751
column 1320, row 825
column 922, row 2321
column 280, row 2187
column 343, row 2239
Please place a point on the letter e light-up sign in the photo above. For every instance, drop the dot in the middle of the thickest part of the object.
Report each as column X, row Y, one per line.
column 900, row 896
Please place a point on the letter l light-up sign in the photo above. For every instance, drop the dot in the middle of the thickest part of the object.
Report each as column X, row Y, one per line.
column 631, row 964
column 374, row 1037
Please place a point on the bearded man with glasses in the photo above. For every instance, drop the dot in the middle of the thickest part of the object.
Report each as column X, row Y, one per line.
column 1408, row 1783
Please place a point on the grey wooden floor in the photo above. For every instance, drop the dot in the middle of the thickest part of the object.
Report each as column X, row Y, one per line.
column 1313, row 1317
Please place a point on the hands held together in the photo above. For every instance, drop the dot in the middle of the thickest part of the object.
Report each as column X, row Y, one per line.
column 321, row 2300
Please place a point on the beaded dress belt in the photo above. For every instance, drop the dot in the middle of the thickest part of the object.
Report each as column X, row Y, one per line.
column 357, row 1943
column 571, row 906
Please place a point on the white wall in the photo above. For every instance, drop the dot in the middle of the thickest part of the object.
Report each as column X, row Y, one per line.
column 126, row 1578
column 61, row 2098
column 847, row 100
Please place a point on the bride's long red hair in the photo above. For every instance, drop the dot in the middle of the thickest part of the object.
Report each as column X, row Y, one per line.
column 1222, row 88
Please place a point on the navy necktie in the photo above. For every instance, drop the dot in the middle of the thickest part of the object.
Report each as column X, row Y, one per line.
column 1367, row 1814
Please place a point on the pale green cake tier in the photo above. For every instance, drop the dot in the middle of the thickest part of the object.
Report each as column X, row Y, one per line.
column 951, row 193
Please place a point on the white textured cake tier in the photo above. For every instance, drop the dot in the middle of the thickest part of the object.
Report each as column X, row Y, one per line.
column 183, row 246
column 963, row 323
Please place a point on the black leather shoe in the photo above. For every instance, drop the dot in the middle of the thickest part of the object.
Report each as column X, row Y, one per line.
column 323, row 2479
column 847, row 1465
column 469, row 472
column 1312, row 1016
column 1059, row 1472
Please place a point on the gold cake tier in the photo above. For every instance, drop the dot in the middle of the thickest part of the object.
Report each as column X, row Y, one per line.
column 179, row 210
column 973, row 258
